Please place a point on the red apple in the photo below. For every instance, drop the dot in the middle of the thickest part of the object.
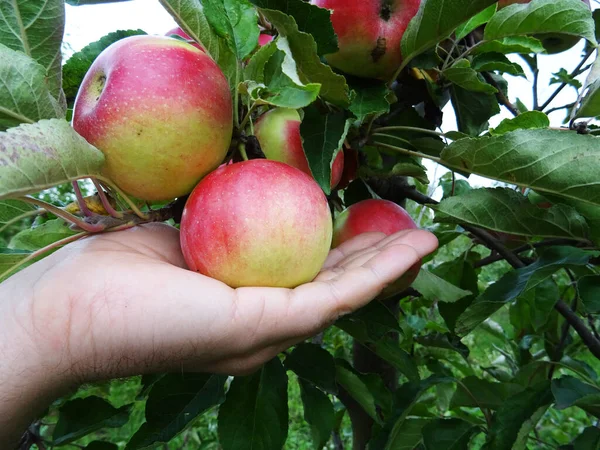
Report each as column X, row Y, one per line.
column 553, row 42
column 161, row 112
column 278, row 132
column 264, row 39
column 350, row 168
column 179, row 32
column 257, row 223
column 369, row 34
column 376, row 215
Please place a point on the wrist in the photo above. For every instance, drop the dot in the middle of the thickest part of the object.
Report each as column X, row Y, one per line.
column 31, row 376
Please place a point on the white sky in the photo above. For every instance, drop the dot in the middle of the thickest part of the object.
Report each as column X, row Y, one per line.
column 87, row 24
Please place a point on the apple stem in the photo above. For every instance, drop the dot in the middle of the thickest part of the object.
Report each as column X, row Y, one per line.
column 66, row 216
column 404, row 128
column 242, row 149
column 105, row 202
column 247, row 116
column 124, row 196
column 82, row 205
column 42, row 251
column 407, row 152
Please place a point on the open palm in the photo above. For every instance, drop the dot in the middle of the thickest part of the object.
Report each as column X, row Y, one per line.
column 124, row 303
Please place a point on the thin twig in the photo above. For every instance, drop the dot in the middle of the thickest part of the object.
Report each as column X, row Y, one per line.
column 563, row 85
column 125, row 197
column 92, row 228
column 500, row 95
column 536, row 79
column 406, row 151
column 586, row 336
column 105, row 202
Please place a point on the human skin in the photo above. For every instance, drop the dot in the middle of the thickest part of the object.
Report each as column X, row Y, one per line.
column 369, row 34
column 376, row 215
column 161, row 112
column 257, row 223
column 278, row 132
column 76, row 317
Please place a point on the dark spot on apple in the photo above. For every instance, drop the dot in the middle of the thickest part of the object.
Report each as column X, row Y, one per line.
column 139, row 132
column 380, row 49
column 385, row 10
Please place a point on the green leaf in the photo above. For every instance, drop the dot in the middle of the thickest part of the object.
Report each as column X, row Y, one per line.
column 533, row 308
column 235, row 21
column 77, row 65
column 310, row 19
column 370, row 323
column 314, row 364
column 10, row 257
column 42, row 155
column 552, row 161
column 473, row 392
column 24, row 95
column 255, row 69
column 369, row 100
column 190, row 16
column 526, row 120
column 80, row 417
column 475, row 22
column 517, row 417
column 255, row 413
column 507, row 211
column 435, row 288
column 322, row 137
column 568, row 17
column 92, row 2
column 511, row 44
column 279, row 89
column 444, row 340
column 516, row 282
column 410, row 435
column 590, row 103
column 487, row 62
column 318, row 413
column 562, row 76
column 588, row 440
column 570, row 391
column 302, row 48
column 36, row 29
column 435, row 21
column 589, row 293
column 461, row 74
column 357, row 386
column 39, row 237
column 405, row 398
column 11, row 210
column 473, row 110
column 448, row 434
column 459, row 272
column 174, row 401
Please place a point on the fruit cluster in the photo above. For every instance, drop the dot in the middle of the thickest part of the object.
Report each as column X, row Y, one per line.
column 160, row 110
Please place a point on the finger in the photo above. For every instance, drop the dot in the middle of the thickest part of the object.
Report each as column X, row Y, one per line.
column 360, row 242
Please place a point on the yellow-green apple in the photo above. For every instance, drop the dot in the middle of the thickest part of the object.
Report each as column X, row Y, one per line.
column 257, row 223
column 161, row 112
column 376, row 215
column 179, row 32
column 369, row 34
column 278, row 132
column 553, row 42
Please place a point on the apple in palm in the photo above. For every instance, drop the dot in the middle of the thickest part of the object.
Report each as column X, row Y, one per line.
column 161, row 112
column 369, row 34
column 278, row 132
column 257, row 223
column 376, row 215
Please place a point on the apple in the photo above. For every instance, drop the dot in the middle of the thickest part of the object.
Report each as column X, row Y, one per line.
column 278, row 132
column 369, row 34
column 552, row 42
column 179, row 32
column 257, row 223
column 264, row 39
column 350, row 168
column 376, row 215
column 161, row 112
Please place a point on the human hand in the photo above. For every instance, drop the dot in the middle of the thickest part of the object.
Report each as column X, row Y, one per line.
column 123, row 303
